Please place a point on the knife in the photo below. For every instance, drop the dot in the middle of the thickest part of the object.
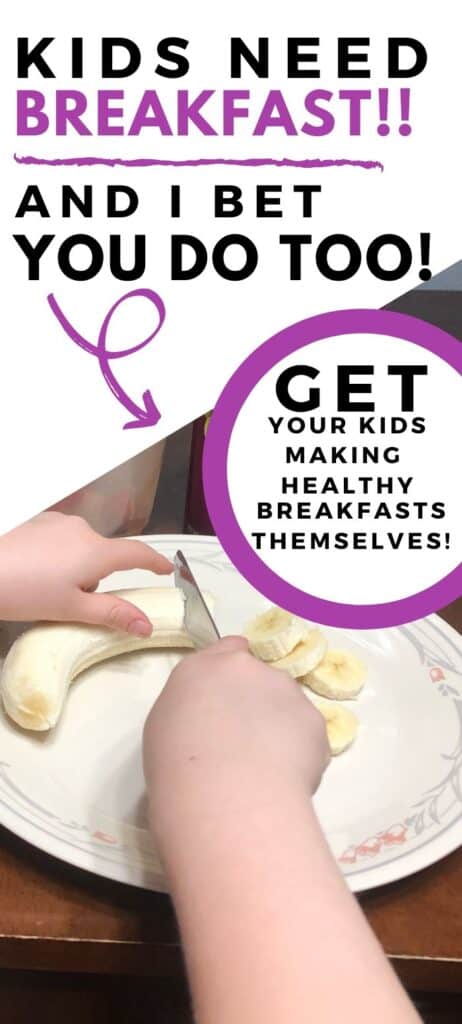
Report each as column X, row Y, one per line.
column 197, row 619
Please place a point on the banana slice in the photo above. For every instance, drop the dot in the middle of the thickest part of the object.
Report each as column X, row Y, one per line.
column 339, row 676
column 275, row 633
column 45, row 660
column 341, row 724
column 305, row 656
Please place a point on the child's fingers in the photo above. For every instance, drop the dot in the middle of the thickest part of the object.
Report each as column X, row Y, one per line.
column 228, row 645
column 111, row 611
column 134, row 554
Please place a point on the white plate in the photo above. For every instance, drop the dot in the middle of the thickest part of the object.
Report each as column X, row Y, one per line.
column 390, row 806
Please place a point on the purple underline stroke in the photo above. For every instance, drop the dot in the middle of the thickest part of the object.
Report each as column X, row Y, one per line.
column 92, row 161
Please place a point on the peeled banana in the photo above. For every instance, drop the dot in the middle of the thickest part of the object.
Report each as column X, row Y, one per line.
column 341, row 725
column 336, row 674
column 305, row 656
column 45, row 660
column 339, row 676
column 275, row 633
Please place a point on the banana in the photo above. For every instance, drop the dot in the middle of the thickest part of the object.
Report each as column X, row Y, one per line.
column 339, row 676
column 341, row 724
column 45, row 660
column 305, row 656
column 275, row 633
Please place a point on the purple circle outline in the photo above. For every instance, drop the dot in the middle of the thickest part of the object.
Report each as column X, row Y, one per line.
column 215, row 476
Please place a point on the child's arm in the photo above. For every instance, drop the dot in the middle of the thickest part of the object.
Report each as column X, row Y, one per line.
column 50, row 566
column 233, row 755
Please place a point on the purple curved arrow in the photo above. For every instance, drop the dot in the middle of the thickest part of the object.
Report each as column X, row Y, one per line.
column 148, row 414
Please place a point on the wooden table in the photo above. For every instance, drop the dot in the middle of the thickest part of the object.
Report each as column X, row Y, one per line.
column 76, row 946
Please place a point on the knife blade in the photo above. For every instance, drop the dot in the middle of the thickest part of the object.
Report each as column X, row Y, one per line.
column 197, row 619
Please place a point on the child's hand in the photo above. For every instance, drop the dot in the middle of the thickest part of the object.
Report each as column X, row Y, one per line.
column 49, row 566
column 226, row 729
column 233, row 751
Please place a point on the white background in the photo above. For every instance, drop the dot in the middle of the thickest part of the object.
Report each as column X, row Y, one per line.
column 60, row 425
